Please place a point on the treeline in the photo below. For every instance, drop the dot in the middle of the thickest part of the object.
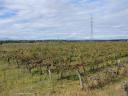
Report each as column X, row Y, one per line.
column 35, row 41
column 19, row 41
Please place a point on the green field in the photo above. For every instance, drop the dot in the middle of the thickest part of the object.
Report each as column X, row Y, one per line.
column 63, row 69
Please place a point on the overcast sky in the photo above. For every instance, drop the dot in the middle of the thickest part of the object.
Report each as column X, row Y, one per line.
column 63, row 19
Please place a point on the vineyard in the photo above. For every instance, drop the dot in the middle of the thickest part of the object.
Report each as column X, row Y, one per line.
column 53, row 68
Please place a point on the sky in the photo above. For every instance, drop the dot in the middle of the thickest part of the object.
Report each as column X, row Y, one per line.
column 63, row 19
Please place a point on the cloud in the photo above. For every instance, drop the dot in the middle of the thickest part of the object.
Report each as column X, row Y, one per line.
column 66, row 19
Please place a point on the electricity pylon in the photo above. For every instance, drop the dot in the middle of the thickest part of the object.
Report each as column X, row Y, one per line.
column 92, row 31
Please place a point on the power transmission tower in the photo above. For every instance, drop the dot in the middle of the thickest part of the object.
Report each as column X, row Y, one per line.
column 92, row 31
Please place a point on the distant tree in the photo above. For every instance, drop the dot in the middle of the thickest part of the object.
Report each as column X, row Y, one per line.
column 1, row 43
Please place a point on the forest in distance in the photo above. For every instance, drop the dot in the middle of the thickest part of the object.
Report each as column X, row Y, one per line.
column 64, row 68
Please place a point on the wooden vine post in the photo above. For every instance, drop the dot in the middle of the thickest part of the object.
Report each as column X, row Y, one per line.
column 80, row 79
column 50, row 68
column 77, row 67
column 50, row 74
